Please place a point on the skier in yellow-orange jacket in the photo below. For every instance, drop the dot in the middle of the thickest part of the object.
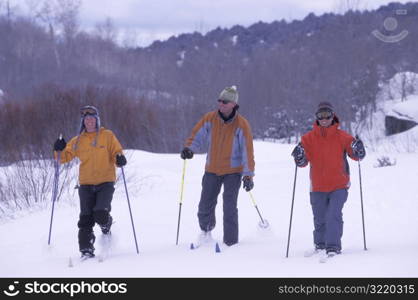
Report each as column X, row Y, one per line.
column 99, row 151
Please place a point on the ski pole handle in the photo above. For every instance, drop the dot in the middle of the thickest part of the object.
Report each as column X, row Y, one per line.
column 182, row 182
column 60, row 137
column 181, row 200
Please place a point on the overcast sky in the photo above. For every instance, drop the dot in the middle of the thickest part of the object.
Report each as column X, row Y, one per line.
column 142, row 21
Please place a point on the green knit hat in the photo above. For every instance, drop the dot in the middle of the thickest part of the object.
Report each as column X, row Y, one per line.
column 229, row 94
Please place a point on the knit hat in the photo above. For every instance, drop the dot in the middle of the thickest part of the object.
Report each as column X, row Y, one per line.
column 325, row 106
column 229, row 94
column 85, row 111
column 89, row 110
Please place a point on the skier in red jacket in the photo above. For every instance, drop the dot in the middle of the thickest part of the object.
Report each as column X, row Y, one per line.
column 325, row 148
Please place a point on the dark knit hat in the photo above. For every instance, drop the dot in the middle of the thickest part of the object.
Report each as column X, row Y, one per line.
column 325, row 106
column 88, row 110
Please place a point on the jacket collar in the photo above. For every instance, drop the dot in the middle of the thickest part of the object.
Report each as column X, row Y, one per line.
column 231, row 117
column 84, row 132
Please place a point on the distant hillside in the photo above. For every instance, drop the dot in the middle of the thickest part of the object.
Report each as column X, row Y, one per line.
column 282, row 70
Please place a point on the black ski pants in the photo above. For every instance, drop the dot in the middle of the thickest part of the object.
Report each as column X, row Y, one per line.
column 95, row 206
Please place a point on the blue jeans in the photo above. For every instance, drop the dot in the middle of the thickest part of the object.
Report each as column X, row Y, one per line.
column 328, row 218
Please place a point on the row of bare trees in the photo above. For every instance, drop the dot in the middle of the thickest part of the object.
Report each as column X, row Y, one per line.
column 282, row 69
column 29, row 128
column 151, row 97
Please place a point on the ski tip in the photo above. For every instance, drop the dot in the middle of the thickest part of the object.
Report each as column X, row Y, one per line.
column 191, row 246
column 217, row 248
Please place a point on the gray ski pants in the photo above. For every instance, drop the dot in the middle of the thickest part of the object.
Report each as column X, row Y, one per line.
column 328, row 218
column 211, row 186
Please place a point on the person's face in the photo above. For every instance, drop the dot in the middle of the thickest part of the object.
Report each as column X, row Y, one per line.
column 324, row 118
column 226, row 107
column 90, row 123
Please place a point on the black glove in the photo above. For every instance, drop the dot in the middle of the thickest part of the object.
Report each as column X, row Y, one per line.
column 60, row 144
column 186, row 153
column 248, row 183
column 299, row 155
column 358, row 148
column 120, row 160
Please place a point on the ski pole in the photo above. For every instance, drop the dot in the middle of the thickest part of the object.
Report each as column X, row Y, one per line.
column 361, row 201
column 291, row 211
column 362, row 211
column 181, row 201
column 264, row 223
column 130, row 211
column 54, row 190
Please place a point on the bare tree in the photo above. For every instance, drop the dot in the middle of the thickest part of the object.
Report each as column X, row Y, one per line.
column 130, row 38
column 61, row 17
column 343, row 6
column 68, row 14
column 8, row 10
column 106, row 30
column 45, row 13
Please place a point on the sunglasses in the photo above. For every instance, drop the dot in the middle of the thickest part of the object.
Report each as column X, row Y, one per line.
column 88, row 111
column 224, row 101
column 321, row 115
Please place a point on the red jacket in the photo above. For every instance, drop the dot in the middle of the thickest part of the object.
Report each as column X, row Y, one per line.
column 326, row 150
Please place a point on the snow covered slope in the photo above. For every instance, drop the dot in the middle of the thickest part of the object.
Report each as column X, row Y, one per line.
column 390, row 205
column 373, row 130
column 406, row 110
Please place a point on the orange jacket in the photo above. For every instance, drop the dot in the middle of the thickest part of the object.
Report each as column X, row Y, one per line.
column 229, row 144
column 97, row 163
column 326, row 150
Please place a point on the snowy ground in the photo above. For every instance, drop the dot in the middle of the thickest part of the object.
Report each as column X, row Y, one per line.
column 390, row 205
